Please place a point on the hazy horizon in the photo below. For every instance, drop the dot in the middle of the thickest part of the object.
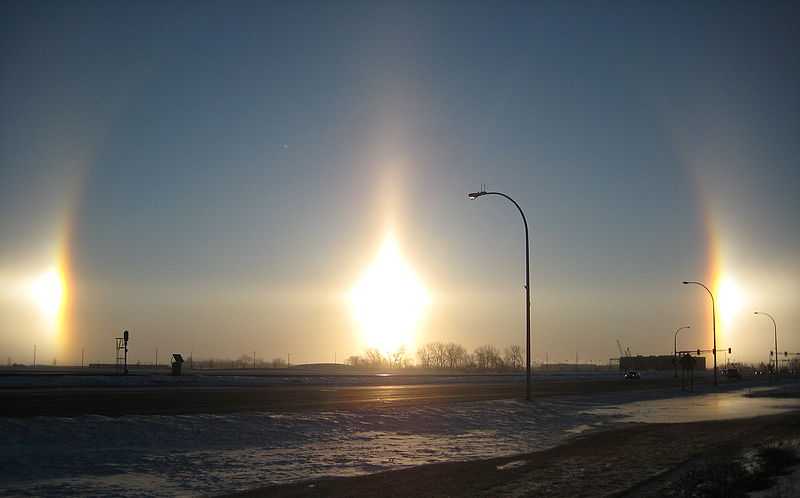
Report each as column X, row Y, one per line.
column 223, row 178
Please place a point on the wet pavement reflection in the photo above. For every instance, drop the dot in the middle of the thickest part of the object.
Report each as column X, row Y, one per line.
column 712, row 406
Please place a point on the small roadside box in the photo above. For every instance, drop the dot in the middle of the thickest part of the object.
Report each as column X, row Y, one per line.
column 177, row 361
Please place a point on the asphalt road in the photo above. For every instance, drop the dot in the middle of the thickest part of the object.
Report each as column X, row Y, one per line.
column 188, row 400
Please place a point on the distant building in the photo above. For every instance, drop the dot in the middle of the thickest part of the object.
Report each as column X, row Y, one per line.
column 656, row 363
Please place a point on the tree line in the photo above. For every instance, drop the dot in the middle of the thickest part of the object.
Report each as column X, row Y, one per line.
column 244, row 361
column 443, row 356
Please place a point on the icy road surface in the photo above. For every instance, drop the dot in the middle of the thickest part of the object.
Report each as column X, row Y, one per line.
column 192, row 455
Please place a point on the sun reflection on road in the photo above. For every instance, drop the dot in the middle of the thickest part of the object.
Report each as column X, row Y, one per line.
column 713, row 406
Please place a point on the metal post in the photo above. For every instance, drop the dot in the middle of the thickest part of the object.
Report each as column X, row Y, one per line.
column 125, row 336
column 713, row 326
column 34, row 356
column 528, row 392
column 775, row 329
column 683, row 378
column 675, row 349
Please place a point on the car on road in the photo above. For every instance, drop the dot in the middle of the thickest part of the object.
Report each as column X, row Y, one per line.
column 732, row 373
column 633, row 374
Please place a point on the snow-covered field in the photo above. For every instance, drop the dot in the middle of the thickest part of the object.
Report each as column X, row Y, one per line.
column 192, row 455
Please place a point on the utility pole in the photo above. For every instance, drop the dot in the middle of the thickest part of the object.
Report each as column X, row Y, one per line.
column 82, row 351
column 775, row 329
column 713, row 325
column 528, row 382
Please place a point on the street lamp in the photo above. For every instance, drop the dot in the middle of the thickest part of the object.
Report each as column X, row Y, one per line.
column 713, row 326
column 675, row 348
column 775, row 328
column 528, row 394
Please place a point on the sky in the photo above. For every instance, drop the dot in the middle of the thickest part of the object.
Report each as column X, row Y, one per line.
column 221, row 179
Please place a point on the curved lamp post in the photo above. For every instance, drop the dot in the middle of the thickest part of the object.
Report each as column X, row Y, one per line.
column 713, row 326
column 675, row 348
column 528, row 394
column 775, row 328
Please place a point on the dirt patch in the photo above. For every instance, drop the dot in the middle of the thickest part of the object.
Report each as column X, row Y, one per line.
column 644, row 460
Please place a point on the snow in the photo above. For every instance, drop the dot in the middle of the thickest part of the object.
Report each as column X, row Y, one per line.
column 191, row 455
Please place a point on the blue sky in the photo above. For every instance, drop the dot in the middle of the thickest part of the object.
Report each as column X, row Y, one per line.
column 216, row 177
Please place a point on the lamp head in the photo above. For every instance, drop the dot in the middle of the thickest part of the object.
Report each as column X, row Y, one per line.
column 475, row 195
column 685, row 282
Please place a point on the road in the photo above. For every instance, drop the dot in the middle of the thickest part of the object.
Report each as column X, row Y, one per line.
column 190, row 400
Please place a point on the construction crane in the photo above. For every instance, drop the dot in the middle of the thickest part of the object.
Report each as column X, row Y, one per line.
column 627, row 351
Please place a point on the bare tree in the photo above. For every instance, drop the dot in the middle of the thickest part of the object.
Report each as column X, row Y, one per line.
column 455, row 354
column 374, row 358
column 513, row 356
column 244, row 361
column 468, row 362
column 396, row 358
column 439, row 354
column 355, row 361
column 487, row 357
column 424, row 355
column 277, row 363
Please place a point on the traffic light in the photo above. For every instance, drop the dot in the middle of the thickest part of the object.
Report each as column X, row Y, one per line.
column 729, row 350
column 698, row 352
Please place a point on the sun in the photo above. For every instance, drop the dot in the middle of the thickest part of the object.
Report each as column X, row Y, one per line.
column 729, row 299
column 389, row 300
column 48, row 291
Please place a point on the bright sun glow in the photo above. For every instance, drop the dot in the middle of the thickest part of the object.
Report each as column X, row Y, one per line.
column 389, row 301
column 48, row 292
column 729, row 299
